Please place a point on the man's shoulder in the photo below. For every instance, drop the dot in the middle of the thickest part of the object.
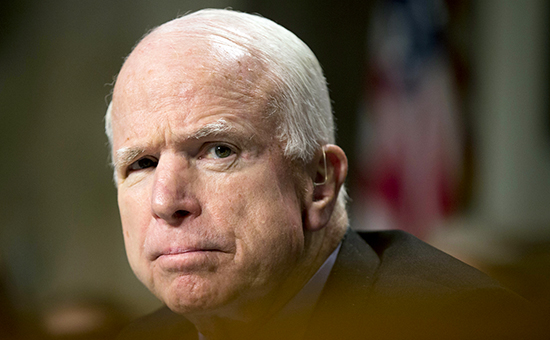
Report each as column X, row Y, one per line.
column 405, row 260
column 161, row 324
column 396, row 265
column 391, row 285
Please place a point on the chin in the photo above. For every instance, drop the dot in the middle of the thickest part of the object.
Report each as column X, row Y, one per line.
column 195, row 295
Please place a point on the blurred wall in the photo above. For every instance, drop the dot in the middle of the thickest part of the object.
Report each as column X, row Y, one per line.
column 510, row 115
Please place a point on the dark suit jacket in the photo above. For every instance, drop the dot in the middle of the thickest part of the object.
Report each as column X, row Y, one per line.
column 390, row 285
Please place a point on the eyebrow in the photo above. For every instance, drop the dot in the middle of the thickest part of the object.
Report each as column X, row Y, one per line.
column 124, row 156
column 219, row 127
column 127, row 155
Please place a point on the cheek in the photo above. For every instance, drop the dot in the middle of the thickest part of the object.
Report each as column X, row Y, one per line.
column 263, row 213
column 133, row 210
column 252, row 196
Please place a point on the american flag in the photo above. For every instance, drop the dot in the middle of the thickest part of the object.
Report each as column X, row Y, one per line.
column 410, row 138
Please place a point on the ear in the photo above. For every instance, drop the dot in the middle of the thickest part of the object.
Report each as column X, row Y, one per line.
column 329, row 174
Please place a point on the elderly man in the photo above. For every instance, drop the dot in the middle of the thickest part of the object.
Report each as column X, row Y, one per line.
column 232, row 206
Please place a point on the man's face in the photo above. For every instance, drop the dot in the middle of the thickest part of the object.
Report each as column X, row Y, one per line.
column 209, row 205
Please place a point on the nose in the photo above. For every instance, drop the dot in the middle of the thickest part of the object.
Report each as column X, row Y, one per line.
column 172, row 198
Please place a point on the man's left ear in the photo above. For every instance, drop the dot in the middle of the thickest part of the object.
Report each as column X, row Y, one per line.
column 330, row 172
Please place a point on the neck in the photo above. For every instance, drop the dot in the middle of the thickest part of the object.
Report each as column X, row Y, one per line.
column 244, row 320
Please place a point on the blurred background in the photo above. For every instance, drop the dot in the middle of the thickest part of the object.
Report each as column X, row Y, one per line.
column 441, row 106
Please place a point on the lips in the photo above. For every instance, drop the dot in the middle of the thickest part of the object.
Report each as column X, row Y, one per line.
column 182, row 251
column 188, row 260
column 178, row 245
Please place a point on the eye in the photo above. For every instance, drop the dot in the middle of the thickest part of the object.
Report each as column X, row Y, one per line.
column 142, row 163
column 220, row 151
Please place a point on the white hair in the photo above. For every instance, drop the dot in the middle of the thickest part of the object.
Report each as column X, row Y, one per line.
column 301, row 103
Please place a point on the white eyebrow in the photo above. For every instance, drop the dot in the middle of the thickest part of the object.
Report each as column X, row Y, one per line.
column 218, row 127
column 126, row 155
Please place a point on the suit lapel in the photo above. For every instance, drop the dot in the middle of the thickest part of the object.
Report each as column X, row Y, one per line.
column 346, row 292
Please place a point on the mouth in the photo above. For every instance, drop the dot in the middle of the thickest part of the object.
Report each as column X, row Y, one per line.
column 168, row 253
column 189, row 260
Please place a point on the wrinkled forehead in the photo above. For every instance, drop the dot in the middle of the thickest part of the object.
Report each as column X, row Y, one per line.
column 172, row 66
column 190, row 60
column 191, row 75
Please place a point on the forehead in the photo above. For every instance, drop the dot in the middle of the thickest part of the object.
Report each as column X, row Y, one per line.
column 190, row 75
